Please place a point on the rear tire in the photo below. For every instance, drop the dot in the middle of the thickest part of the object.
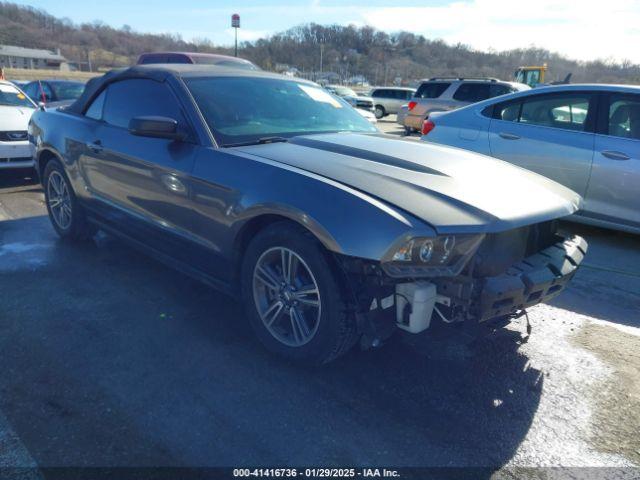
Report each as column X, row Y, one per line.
column 285, row 274
column 65, row 213
column 380, row 112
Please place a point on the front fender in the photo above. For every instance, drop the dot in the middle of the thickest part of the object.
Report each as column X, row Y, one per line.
column 237, row 189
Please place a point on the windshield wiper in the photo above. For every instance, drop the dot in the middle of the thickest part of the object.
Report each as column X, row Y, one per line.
column 259, row 141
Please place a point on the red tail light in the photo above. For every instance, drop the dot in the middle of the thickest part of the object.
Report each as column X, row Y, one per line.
column 412, row 105
column 427, row 126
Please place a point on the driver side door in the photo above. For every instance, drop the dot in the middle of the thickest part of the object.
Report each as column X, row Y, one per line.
column 141, row 184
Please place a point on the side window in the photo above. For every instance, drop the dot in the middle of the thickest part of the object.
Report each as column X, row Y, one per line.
column 432, row 89
column 624, row 116
column 31, row 91
column 153, row 58
column 45, row 89
column 95, row 109
column 560, row 111
column 140, row 97
column 498, row 89
column 509, row 112
column 409, row 95
column 36, row 90
column 176, row 58
column 532, row 77
column 472, row 92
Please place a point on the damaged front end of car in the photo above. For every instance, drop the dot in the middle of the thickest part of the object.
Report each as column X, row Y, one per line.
column 455, row 279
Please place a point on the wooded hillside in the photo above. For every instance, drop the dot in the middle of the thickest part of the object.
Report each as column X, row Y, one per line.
column 347, row 51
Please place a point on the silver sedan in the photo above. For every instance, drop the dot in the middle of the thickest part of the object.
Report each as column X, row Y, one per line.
column 586, row 137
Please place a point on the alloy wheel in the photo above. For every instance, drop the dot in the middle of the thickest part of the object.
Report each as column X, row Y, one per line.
column 59, row 200
column 286, row 296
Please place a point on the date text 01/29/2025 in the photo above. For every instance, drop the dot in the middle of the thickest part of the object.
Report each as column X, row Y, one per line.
column 316, row 472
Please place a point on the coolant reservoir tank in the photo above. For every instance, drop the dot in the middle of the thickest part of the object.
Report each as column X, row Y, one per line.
column 422, row 298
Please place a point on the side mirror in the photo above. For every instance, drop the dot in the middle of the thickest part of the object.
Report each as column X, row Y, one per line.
column 156, row 127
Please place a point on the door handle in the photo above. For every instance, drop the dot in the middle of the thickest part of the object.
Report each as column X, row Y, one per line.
column 509, row 136
column 95, row 147
column 173, row 183
column 613, row 155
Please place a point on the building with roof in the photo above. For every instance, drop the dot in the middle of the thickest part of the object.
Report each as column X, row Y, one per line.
column 31, row 58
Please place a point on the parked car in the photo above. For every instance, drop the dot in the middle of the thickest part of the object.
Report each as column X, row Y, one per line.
column 357, row 101
column 54, row 93
column 586, row 137
column 15, row 111
column 389, row 100
column 196, row 58
column 270, row 188
column 443, row 94
column 400, row 117
column 367, row 114
column 20, row 83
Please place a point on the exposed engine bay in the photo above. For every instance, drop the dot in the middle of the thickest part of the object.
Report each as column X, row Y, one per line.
column 509, row 272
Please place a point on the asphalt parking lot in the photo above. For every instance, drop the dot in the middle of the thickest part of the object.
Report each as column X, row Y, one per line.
column 112, row 359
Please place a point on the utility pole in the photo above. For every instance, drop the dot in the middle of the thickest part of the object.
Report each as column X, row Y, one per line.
column 89, row 60
column 235, row 23
column 321, row 53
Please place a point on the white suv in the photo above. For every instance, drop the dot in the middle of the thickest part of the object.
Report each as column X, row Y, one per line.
column 389, row 100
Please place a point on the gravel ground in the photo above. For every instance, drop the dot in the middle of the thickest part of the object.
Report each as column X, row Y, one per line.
column 109, row 358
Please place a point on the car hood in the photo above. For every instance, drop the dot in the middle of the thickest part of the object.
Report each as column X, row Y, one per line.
column 14, row 118
column 451, row 189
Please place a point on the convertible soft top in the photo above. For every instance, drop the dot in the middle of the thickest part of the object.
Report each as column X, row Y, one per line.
column 160, row 73
column 97, row 84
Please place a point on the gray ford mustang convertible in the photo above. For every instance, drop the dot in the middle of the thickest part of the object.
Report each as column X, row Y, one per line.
column 273, row 189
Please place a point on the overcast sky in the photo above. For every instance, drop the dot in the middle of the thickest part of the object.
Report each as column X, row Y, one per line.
column 584, row 29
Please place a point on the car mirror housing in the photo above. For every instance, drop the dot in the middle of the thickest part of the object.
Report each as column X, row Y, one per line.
column 156, row 127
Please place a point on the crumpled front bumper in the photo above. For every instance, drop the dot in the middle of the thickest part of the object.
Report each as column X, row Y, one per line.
column 535, row 279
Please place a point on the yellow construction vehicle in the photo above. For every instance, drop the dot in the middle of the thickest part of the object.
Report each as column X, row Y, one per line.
column 531, row 76
column 535, row 76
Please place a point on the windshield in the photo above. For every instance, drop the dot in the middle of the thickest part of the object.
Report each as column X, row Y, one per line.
column 67, row 90
column 245, row 109
column 12, row 97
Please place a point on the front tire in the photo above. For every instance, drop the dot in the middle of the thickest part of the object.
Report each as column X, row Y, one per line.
column 66, row 215
column 293, row 298
column 380, row 112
